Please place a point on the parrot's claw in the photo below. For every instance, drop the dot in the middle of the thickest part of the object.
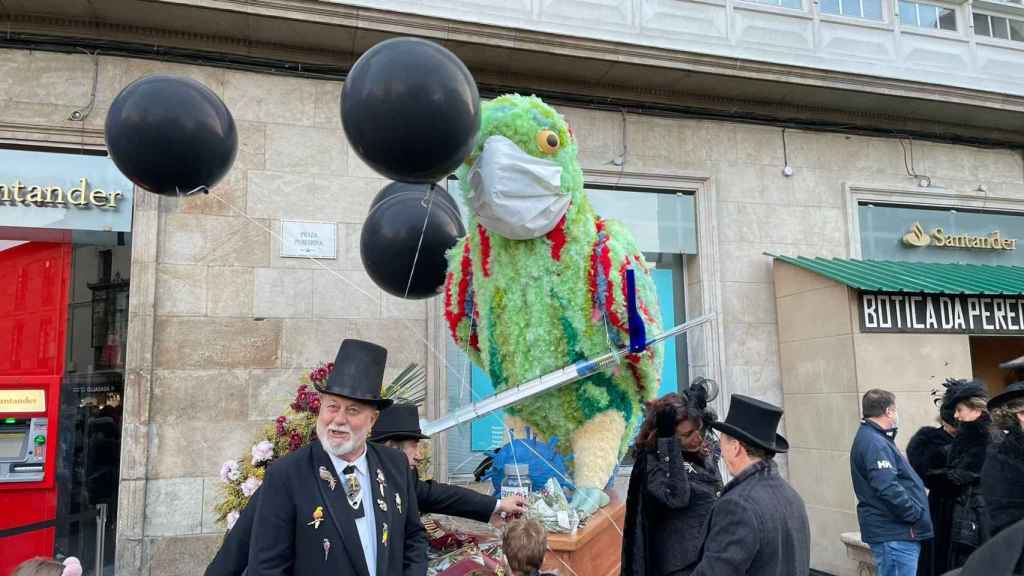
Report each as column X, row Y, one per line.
column 587, row 500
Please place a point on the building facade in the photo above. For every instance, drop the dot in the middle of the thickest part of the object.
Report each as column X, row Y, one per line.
column 736, row 129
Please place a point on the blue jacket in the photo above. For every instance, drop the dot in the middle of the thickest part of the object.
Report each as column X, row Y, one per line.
column 891, row 500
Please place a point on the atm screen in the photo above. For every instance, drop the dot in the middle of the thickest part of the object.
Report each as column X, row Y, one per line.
column 11, row 444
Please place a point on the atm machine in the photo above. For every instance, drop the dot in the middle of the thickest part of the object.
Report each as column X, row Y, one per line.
column 28, row 494
column 33, row 328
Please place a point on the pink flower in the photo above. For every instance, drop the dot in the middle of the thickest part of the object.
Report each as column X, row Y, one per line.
column 231, row 518
column 72, row 567
column 295, row 442
column 230, row 472
column 262, row 452
column 250, row 485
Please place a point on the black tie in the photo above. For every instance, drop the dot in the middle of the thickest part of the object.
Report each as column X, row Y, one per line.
column 352, row 491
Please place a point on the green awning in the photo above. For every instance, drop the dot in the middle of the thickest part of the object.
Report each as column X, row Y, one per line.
column 914, row 277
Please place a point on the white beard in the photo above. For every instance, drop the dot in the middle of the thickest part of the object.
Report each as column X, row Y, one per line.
column 354, row 443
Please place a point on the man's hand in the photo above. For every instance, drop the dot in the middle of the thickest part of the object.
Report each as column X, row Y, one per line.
column 509, row 506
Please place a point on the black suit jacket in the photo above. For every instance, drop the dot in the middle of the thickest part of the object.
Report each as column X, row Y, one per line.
column 233, row 556
column 286, row 543
column 435, row 498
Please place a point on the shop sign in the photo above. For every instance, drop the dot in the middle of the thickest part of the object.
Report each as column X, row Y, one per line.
column 22, row 401
column 918, row 238
column 63, row 191
column 940, row 235
column 309, row 240
column 941, row 313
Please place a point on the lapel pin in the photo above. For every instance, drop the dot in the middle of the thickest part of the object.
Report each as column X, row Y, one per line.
column 325, row 475
column 382, row 505
column 380, row 478
column 398, row 502
column 327, row 548
column 384, row 535
column 318, row 517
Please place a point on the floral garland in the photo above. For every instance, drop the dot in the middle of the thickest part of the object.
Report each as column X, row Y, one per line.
column 293, row 430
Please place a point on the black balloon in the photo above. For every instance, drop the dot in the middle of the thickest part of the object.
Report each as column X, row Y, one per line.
column 391, row 237
column 396, row 188
column 171, row 135
column 411, row 110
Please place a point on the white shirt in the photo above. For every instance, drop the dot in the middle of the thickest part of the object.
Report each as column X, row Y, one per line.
column 367, row 525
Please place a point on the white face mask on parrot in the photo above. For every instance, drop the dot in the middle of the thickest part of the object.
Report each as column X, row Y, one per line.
column 514, row 194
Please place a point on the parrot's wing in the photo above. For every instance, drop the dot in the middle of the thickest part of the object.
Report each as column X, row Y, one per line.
column 459, row 305
column 615, row 252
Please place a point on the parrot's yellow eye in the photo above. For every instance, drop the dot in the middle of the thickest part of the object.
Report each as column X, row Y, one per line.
column 547, row 141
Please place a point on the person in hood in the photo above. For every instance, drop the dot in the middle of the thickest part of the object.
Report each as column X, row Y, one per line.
column 1002, row 476
column 673, row 486
column 892, row 508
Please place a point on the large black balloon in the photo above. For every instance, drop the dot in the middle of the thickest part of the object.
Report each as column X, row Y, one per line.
column 171, row 135
column 411, row 110
column 391, row 235
column 396, row 188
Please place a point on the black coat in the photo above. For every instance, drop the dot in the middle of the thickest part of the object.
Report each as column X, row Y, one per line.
column 1002, row 481
column 961, row 475
column 285, row 543
column 928, row 452
column 667, row 507
column 435, row 498
column 233, row 556
column 1002, row 555
column 759, row 526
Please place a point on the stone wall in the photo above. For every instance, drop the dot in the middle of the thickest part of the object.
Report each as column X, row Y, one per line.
column 222, row 327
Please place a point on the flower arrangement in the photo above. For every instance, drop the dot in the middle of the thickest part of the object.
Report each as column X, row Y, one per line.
column 293, row 430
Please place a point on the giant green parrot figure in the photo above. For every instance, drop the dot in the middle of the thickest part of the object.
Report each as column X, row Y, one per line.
column 540, row 282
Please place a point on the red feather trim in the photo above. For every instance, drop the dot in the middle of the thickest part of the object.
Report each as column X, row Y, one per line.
column 557, row 238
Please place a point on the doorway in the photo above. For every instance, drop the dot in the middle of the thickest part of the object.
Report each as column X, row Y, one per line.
column 988, row 352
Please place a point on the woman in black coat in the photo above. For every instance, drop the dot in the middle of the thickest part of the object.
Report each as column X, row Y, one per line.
column 928, row 450
column 960, row 480
column 1002, row 478
column 673, row 487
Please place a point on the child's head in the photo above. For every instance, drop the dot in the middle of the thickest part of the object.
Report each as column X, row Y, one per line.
column 47, row 567
column 525, row 542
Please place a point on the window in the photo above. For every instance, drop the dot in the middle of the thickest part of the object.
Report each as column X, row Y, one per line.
column 794, row 4
column 998, row 27
column 869, row 9
column 927, row 16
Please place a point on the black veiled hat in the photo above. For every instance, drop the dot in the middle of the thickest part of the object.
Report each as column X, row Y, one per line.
column 1012, row 392
column 958, row 390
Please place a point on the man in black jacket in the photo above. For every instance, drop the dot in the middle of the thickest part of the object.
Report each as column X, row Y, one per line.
column 341, row 505
column 759, row 525
column 399, row 427
column 892, row 508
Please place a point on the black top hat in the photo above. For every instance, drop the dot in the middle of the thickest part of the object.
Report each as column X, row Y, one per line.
column 399, row 422
column 358, row 373
column 755, row 422
column 1012, row 392
column 959, row 390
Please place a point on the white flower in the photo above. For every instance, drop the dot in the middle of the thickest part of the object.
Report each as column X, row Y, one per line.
column 262, row 452
column 230, row 472
column 231, row 518
column 250, row 485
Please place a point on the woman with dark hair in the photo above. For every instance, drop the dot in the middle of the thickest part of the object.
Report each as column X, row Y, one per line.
column 1002, row 478
column 674, row 484
column 960, row 479
column 928, row 450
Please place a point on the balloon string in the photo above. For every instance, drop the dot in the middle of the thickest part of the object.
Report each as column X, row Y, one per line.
column 423, row 231
column 463, row 382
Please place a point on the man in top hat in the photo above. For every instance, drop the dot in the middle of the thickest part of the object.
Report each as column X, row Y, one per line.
column 341, row 505
column 759, row 524
column 399, row 427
